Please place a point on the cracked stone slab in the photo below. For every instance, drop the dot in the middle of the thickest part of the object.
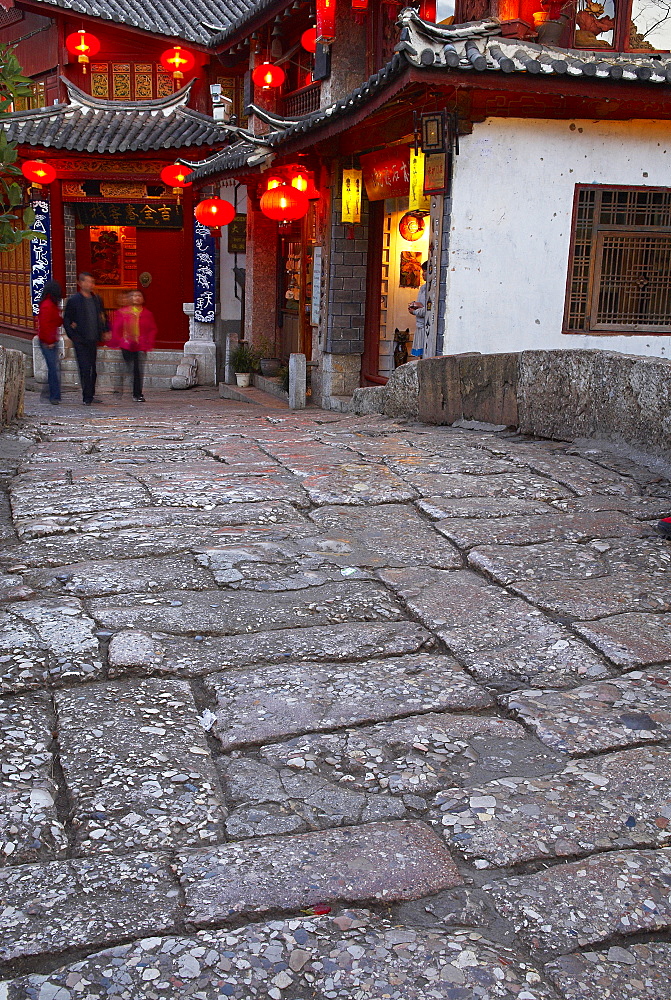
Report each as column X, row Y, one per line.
column 355, row 483
column 137, row 767
column 278, row 512
column 47, row 641
column 254, row 706
column 143, row 575
column 350, row 641
column 617, row 800
column 13, row 588
column 84, row 903
column 606, row 715
column 439, row 508
column 631, row 639
column 346, row 955
column 392, row 534
column 635, row 972
column 570, row 906
column 601, row 597
column 580, row 475
column 412, row 756
column 228, row 614
column 553, row 526
column 383, row 861
column 518, row 485
column 29, row 826
column 471, row 461
column 37, row 500
column 499, row 638
column 209, row 485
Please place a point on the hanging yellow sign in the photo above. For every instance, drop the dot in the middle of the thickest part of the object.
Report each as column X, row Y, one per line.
column 419, row 202
column 351, row 196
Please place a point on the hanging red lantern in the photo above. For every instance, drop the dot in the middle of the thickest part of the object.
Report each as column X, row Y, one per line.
column 178, row 61
column 412, row 226
column 267, row 76
column 359, row 4
column 215, row 212
column 83, row 45
column 274, row 181
column 326, row 10
column 284, row 204
column 175, row 176
column 38, row 172
column 309, row 40
column 299, row 178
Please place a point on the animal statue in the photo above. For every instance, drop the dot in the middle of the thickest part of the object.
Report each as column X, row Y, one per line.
column 590, row 22
column 401, row 341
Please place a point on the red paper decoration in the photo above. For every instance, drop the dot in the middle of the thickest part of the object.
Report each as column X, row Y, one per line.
column 284, row 204
column 326, row 10
column 266, row 75
column 38, row 172
column 309, row 40
column 412, row 226
column 178, row 61
column 215, row 212
column 175, row 176
column 83, row 45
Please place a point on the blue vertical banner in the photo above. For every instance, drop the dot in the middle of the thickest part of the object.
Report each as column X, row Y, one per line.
column 204, row 289
column 40, row 252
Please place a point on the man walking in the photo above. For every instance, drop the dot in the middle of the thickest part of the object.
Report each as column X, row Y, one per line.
column 85, row 323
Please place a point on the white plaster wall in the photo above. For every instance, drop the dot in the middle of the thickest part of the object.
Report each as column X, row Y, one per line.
column 230, row 306
column 513, row 194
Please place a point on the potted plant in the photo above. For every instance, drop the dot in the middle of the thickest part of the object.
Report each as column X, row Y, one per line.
column 244, row 362
column 268, row 360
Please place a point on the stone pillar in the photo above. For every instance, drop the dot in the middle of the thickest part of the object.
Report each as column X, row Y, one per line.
column 349, row 56
column 70, row 249
column 297, row 381
column 261, row 277
column 201, row 344
column 347, row 271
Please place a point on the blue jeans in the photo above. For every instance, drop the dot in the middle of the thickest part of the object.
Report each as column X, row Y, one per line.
column 50, row 353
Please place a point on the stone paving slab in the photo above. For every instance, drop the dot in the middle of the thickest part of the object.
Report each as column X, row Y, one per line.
column 137, row 767
column 355, row 483
column 207, row 487
column 41, row 499
column 382, row 861
column 621, row 799
column 255, row 706
column 634, row 972
column 349, row 956
column 570, row 906
column 349, row 642
column 553, row 526
column 68, row 633
column 518, row 485
column 471, row 461
column 502, row 640
column 84, row 903
column 632, row 639
column 439, row 508
column 142, row 575
column 228, row 614
column 605, row 715
column 579, row 475
column 24, row 658
column 30, row 829
column 392, row 534
column 601, row 597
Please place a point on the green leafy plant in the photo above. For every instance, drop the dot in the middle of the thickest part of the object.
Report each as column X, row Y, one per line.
column 283, row 376
column 266, row 348
column 13, row 221
column 244, row 359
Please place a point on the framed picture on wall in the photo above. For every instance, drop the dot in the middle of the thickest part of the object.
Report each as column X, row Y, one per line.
column 435, row 173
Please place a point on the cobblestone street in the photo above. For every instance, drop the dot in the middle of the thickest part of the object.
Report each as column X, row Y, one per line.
column 309, row 705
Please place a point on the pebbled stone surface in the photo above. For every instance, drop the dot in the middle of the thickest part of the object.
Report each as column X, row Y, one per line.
column 630, row 640
column 93, row 579
column 631, row 972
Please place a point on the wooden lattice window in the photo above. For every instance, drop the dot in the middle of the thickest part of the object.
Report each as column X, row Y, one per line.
column 130, row 81
column 15, row 306
column 620, row 264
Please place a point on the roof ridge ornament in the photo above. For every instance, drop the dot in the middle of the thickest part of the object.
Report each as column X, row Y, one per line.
column 83, row 100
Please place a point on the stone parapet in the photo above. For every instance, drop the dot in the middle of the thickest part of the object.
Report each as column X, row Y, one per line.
column 12, row 385
column 552, row 394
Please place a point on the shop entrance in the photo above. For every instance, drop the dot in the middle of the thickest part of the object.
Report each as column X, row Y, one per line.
column 394, row 279
column 122, row 258
column 295, row 293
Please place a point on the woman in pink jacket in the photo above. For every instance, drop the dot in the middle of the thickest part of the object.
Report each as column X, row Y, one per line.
column 133, row 333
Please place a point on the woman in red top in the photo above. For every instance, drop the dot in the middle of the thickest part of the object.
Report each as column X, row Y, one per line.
column 133, row 333
column 49, row 320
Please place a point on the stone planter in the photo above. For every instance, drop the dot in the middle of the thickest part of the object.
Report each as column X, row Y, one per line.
column 269, row 366
column 243, row 379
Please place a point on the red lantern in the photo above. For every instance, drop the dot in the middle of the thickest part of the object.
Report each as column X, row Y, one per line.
column 178, row 61
column 38, row 172
column 299, row 179
column 359, row 4
column 412, row 226
column 267, row 76
column 309, row 40
column 215, row 212
column 274, row 181
column 326, row 10
column 175, row 176
column 284, row 204
column 83, row 45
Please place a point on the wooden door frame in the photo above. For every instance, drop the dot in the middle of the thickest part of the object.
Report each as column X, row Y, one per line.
column 371, row 349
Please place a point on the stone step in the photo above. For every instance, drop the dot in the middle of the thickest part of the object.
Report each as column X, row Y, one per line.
column 271, row 386
column 251, row 395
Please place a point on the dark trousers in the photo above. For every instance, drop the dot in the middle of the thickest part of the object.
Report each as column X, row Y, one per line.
column 135, row 365
column 50, row 354
column 86, row 351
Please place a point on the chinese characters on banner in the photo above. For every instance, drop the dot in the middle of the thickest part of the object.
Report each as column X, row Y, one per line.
column 351, row 196
column 40, row 253
column 386, row 173
column 419, row 202
column 203, row 273
column 164, row 216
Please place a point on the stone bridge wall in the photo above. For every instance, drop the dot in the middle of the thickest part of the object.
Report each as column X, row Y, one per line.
column 552, row 394
column 12, row 385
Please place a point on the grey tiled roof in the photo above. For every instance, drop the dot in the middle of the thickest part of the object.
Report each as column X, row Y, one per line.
column 203, row 21
column 89, row 125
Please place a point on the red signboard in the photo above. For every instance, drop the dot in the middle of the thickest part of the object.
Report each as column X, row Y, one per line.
column 386, row 173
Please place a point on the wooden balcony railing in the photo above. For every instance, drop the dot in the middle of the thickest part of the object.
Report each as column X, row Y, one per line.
column 302, row 101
